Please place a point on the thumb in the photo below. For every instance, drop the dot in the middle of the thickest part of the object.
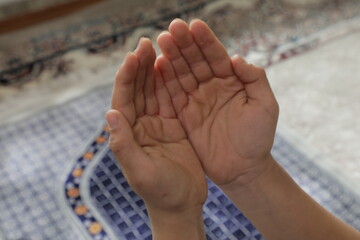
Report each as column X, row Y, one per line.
column 122, row 143
column 254, row 78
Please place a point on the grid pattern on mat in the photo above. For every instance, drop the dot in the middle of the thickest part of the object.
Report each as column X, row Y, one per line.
column 120, row 207
column 31, row 165
column 33, row 154
column 318, row 184
column 126, row 212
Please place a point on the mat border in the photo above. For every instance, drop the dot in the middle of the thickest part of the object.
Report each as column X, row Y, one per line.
column 61, row 198
column 85, row 191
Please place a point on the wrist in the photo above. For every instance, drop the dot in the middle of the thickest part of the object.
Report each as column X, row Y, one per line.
column 273, row 202
column 253, row 176
column 251, row 190
column 185, row 224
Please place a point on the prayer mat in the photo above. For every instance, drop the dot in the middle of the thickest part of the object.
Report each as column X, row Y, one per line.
column 59, row 180
column 69, row 62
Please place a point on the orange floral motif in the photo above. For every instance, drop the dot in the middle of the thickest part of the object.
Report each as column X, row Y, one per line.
column 88, row 155
column 95, row 228
column 73, row 192
column 77, row 172
column 81, row 210
column 101, row 140
column 107, row 129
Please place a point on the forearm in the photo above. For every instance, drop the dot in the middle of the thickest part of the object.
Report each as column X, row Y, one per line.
column 280, row 209
column 177, row 226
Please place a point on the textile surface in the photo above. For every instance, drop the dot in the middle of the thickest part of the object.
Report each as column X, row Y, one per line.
column 48, row 182
column 60, row 181
column 58, row 178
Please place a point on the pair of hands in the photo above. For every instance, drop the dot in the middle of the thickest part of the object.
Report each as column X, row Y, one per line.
column 189, row 112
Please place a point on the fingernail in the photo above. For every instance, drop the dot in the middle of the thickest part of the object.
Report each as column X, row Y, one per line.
column 141, row 40
column 235, row 56
column 137, row 46
column 112, row 120
column 127, row 54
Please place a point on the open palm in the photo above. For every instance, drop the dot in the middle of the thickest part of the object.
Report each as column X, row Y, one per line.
column 149, row 141
column 225, row 105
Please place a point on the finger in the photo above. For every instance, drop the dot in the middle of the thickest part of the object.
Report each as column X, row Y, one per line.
column 166, row 108
column 151, row 105
column 212, row 49
column 190, row 51
column 146, row 63
column 178, row 96
column 122, row 143
column 254, row 78
column 123, row 91
column 182, row 69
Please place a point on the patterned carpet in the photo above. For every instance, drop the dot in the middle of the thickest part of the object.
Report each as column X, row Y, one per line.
column 58, row 65
column 59, row 181
column 58, row 178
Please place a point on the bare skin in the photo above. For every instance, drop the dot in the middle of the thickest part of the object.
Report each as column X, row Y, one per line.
column 153, row 150
column 225, row 105
column 195, row 110
column 229, row 112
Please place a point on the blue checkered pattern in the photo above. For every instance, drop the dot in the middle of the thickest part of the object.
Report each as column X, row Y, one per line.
column 33, row 155
column 321, row 186
column 125, row 211
column 117, row 202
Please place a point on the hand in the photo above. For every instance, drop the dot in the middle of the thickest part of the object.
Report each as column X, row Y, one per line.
column 225, row 105
column 150, row 143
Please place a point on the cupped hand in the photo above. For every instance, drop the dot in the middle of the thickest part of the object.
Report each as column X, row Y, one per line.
column 149, row 141
column 225, row 105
